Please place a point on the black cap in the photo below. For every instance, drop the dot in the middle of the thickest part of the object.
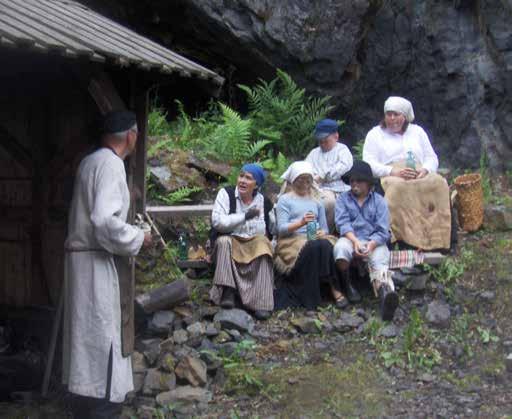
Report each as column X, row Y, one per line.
column 361, row 171
column 118, row 121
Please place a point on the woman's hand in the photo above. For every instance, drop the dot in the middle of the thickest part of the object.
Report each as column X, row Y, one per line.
column 422, row 173
column 359, row 249
column 308, row 216
column 407, row 173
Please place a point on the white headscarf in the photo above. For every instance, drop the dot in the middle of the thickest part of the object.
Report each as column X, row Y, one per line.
column 400, row 105
column 296, row 169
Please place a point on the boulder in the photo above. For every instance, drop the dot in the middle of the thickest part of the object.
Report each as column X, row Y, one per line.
column 193, row 370
column 180, row 336
column 184, row 394
column 196, row 329
column 498, row 218
column 235, row 319
column 307, row 324
column 161, row 322
column 438, row 313
column 347, row 322
column 155, row 382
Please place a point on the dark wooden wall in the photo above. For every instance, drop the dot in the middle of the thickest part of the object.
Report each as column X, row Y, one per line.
column 48, row 121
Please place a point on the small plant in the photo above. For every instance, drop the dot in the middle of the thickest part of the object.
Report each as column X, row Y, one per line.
column 486, row 335
column 157, row 122
column 180, row 195
column 357, row 150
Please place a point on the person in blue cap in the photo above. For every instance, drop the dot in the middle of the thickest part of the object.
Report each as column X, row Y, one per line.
column 242, row 252
column 330, row 161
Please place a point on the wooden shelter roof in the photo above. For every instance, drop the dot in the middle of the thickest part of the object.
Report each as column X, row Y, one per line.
column 71, row 29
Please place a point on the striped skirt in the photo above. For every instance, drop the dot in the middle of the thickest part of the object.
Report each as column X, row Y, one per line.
column 254, row 281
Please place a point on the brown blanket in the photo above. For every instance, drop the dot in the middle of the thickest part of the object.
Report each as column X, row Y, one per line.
column 419, row 211
column 288, row 250
column 245, row 250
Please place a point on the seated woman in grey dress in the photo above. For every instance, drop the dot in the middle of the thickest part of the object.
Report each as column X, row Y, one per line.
column 242, row 252
column 305, row 263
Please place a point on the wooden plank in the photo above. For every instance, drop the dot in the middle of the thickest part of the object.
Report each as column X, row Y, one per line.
column 192, row 264
column 181, row 210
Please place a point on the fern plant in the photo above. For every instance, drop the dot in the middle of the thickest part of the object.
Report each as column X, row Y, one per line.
column 283, row 110
column 180, row 195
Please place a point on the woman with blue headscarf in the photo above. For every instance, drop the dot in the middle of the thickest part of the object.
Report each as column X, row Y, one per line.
column 242, row 251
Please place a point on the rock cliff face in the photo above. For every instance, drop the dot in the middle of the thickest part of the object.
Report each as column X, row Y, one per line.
column 451, row 58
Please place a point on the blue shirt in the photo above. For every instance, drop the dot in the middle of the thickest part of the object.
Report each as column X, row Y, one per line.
column 368, row 222
column 291, row 208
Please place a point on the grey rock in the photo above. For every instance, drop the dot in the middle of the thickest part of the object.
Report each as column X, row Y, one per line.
column 161, row 322
column 180, row 336
column 155, row 382
column 235, row 319
column 151, row 349
column 235, row 334
column 488, row 295
column 498, row 218
column 211, row 359
column 183, row 351
column 184, row 394
column 167, row 345
column 306, row 324
column 193, row 370
column 139, row 363
column 427, row 378
column 209, row 312
column 222, row 337
column 347, row 322
column 211, row 330
column 167, row 362
column 389, row 331
column 508, row 362
column 418, row 282
column 438, row 313
column 142, row 401
column 210, row 165
column 228, row 349
column 138, row 381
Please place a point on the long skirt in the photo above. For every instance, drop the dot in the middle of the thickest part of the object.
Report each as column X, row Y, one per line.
column 254, row 281
column 314, row 268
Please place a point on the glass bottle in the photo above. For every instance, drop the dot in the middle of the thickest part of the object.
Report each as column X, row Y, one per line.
column 410, row 161
column 182, row 246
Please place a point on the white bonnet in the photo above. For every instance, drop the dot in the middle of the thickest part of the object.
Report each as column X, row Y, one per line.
column 400, row 105
column 296, row 169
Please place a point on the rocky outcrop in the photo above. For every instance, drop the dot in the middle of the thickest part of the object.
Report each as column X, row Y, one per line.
column 453, row 59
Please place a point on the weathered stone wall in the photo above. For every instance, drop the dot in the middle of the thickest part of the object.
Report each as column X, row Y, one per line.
column 451, row 58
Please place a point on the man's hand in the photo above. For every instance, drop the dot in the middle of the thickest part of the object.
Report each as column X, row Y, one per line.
column 371, row 245
column 358, row 249
column 148, row 239
column 422, row 173
column 252, row 213
column 318, row 179
column 407, row 173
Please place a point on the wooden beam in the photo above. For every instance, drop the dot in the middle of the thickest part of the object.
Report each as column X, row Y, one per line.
column 181, row 210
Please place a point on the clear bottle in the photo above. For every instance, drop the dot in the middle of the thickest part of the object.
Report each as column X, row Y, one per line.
column 410, row 161
column 182, row 246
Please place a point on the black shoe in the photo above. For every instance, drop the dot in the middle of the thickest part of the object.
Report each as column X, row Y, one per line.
column 228, row 298
column 388, row 302
column 352, row 294
column 262, row 314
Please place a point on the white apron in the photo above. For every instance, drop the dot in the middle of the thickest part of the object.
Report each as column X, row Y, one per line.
column 97, row 230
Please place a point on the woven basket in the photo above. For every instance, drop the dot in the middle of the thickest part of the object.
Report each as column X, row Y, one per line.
column 470, row 201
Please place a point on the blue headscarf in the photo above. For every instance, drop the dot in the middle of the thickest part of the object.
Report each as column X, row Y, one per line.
column 256, row 171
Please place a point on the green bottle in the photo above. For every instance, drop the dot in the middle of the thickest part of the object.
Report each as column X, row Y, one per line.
column 410, row 162
column 182, row 247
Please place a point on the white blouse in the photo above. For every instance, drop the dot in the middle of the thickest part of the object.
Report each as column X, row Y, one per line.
column 331, row 166
column 382, row 148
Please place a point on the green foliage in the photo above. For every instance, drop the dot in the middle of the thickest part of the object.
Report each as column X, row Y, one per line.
column 282, row 112
column 180, row 195
column 450, row 270
column 157, row 122
column 486, row 335
column 357, row 150
column 276, row 166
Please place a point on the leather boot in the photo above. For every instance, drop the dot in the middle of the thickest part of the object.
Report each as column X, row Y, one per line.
column 350, row 292
column 388, row 302
column 228, row 298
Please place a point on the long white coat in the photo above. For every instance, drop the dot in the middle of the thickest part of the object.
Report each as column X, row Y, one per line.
column 97, row 230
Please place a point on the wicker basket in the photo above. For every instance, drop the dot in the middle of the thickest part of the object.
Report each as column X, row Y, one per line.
column 470, row 201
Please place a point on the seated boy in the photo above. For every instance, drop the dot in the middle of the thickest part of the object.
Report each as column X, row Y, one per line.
column 362, row 219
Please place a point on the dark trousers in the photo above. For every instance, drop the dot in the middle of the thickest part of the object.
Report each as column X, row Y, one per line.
column 84, row 407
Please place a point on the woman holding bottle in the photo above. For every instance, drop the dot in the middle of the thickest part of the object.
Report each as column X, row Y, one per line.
column 400, row 154
column 304, row 252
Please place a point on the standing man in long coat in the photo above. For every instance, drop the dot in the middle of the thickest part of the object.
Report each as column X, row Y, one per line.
column 94, row 368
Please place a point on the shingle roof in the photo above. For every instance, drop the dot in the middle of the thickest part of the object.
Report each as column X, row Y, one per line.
column 72, row 29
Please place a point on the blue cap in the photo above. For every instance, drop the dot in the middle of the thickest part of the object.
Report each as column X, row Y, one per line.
column 256, row 171
column 324, row 128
